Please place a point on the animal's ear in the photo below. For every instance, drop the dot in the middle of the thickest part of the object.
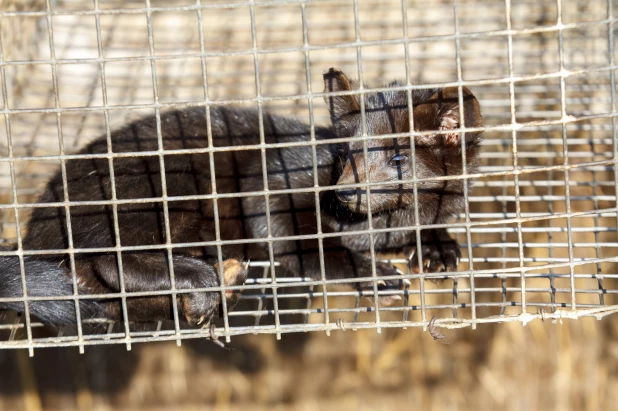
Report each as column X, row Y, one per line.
column 339, row 106
column 441, row 112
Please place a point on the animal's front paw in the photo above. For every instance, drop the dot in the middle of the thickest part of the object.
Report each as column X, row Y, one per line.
column 436, row 257
column 201, row 308
column 386, row 284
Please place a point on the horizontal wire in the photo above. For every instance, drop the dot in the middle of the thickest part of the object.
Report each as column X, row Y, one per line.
column 164, row 335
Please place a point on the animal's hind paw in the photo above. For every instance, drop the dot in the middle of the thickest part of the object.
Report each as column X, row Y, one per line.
column 201, row 308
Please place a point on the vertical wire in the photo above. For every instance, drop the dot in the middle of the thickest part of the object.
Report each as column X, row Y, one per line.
column 597, row 239
column 612, row 88
column 314, row 154
column 507, row 6
column 595, row 193
column 166, row 217
column 550, row 237
column 516, row 169
column 20, row 249
column 359, row 62
column 112, row 177
column 419, row 252
column 213, row 178
column 269, row 239
column 550, row 233
column 503, row 239
column 464, row 169
column 63, row 171
column 503, row 236
column 565, row 150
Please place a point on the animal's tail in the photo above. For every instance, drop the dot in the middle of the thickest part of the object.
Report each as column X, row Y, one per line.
column 44, row 278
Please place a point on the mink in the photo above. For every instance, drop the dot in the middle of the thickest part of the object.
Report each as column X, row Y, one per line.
column 255, row 209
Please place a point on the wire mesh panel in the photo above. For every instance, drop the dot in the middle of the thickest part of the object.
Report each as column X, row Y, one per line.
column 538, row 228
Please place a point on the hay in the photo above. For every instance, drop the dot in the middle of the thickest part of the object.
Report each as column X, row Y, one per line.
column 509, row 367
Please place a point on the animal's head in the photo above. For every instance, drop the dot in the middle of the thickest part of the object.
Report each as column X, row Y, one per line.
column 389, row 159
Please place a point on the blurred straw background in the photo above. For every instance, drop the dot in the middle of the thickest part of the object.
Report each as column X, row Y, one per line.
column 540, row 366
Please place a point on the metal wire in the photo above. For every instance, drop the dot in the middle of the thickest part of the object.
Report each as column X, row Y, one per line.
column 538, row 232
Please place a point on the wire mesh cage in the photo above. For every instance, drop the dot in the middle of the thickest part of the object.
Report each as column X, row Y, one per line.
column 538, row 228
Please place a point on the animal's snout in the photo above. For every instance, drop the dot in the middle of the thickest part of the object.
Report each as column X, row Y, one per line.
column 347, row 195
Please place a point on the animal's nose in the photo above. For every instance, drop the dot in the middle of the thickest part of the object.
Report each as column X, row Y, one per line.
column 346, row 196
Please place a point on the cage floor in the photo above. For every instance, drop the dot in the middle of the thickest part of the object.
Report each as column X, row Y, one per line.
column 539, row 240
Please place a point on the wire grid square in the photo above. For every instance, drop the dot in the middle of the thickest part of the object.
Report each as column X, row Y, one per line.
column 537, row 237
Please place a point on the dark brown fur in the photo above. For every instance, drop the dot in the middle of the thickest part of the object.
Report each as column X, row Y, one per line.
column 240, row 171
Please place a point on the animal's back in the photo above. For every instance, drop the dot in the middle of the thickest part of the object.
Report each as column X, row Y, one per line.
column 137, row 178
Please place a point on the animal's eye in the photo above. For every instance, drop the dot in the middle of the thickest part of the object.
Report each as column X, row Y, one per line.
column 398, row 160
